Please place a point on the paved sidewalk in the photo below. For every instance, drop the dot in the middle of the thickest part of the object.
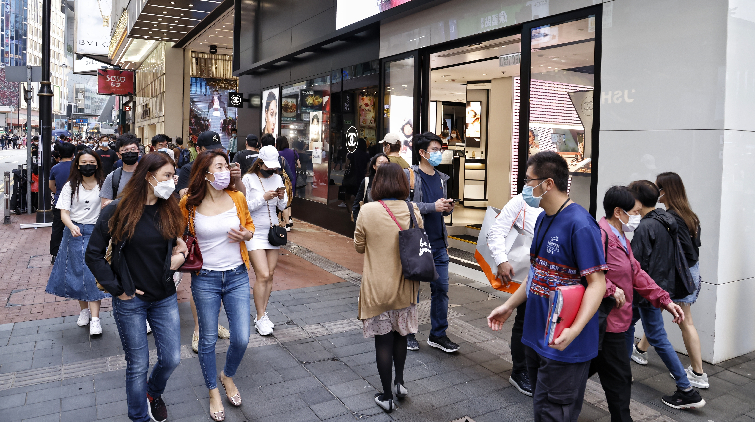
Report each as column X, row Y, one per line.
column 317, row 366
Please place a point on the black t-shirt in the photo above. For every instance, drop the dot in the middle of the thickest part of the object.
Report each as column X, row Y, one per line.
column 690, row 244
column 246, row 159
column 184, row 176
column 108, row 158
column 145, row 256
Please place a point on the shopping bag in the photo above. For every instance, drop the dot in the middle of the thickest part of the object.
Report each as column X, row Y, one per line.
column 518, row 244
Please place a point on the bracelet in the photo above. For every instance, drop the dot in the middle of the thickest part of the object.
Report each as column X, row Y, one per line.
column 184, row 255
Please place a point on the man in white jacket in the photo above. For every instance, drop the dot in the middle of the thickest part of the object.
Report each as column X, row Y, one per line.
column 516, row 212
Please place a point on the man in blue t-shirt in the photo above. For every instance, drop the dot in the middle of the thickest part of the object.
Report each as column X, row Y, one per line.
column 566, row 250
column 58, row 177
column 429, row 190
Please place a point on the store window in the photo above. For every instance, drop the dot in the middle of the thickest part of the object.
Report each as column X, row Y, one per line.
column 305, row 121
column 398, row 101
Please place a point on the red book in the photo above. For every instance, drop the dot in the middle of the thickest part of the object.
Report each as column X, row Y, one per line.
column 564, row 305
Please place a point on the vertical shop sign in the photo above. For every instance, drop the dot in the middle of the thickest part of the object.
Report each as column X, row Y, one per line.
column 270, row 111
column 93, row 26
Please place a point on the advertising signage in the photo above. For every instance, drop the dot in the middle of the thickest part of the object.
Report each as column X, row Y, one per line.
column 352, row 11
column 115, row 82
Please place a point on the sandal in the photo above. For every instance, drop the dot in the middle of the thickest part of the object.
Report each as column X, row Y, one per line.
column 218, row 416
column 235, row 399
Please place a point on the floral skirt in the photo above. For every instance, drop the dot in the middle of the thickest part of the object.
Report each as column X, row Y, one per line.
column 70, row 276
column 403, row 321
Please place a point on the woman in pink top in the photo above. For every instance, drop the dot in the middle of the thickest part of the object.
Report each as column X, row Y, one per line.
column 624, row 276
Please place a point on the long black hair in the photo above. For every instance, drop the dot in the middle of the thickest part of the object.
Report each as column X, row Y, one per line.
column 75, row 178
column 371, row 168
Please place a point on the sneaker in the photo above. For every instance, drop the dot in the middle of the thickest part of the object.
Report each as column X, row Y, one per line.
column 223, row 332
column 157, row 410
column 84, row 316
column 638, row 356
column 387, row 405
column 342, row 205
column 195, row 342
column 95, row 328
column 149, row 329
column 288, row 227
column 52, row 260
column 264, row 326
column 399, row 390
column 443, row 343
column 699, row 381
column 684, row 399
column 412, row 343
column 521, row 380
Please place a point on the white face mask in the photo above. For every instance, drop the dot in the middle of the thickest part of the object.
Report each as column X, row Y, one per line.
column 164, row 189
column 632, row 224
column 104, row 144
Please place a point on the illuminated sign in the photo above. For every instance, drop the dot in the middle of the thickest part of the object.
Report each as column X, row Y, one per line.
column 115, row 82
column 352, row 11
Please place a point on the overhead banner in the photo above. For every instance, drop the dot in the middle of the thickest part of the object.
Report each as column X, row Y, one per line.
column 352, row 11
column 93, row 26
column 115, row 82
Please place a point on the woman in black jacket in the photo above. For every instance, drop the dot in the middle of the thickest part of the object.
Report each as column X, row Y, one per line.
column 144, row 228
column 363, row 193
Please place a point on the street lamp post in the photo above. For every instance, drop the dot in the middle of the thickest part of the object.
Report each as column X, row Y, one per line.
column 44, row 212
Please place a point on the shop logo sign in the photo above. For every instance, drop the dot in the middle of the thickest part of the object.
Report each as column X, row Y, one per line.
column 351, row 139
column 236, row 99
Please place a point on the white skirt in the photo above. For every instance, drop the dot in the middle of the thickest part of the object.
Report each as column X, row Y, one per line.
column 259, row 240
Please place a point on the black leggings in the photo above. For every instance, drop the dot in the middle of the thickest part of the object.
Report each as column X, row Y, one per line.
column 390, row 350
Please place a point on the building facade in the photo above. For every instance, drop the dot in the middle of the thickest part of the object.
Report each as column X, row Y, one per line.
column 623, row 89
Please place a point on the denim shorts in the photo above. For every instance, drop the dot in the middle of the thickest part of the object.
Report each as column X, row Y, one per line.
column 692, row 297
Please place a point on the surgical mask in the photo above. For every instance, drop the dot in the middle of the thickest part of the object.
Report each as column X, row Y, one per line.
column 267, row 173
column 164, row 189
column 104, row 144
column 453, row 135
column 165, row 150
column 435, row 158
column 87, row 170
column 222, row 179
column 533, row 201
column 632, row 224
column 129, row 158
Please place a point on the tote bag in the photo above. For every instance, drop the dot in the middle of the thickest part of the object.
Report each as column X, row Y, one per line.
column 518, row 244
column 417, row 261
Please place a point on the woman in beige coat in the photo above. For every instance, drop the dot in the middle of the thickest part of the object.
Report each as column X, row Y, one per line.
column 387, row 301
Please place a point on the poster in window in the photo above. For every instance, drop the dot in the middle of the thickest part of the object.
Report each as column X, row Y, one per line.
column 209, row 110
column 311, row 100
column 366, row 110
column 474, row 109
column 401, row 111
column 270, row 111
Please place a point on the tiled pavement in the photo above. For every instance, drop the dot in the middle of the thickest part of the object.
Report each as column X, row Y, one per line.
column 319, row 367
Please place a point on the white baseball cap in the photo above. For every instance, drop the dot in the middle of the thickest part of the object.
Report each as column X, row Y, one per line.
column 391, row 138
column 269, row 156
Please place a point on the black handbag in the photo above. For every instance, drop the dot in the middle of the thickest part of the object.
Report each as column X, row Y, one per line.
column 417, row 261
column 277, row 235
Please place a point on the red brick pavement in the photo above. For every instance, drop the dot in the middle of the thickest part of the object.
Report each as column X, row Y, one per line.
column 25, row 268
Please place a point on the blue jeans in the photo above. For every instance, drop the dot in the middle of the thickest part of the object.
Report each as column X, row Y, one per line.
column 692, row 297
column 209, row 288
column 652, row 323
column 439, row 294
column 130, row 317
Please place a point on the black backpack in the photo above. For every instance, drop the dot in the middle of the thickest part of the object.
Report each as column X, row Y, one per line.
column 184, row 157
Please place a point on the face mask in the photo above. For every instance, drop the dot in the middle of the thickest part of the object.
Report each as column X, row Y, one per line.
column 164, row 189
column 533, row 201
column 222, row 180
column 634, row 222
column 267, row 173
column 453, row 135
column 129, row 158
column 87, row 170
column 165, row 150
column 104, row 144
column 435, row 158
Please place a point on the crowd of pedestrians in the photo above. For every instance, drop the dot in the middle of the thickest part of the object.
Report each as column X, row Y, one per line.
column 128, row 223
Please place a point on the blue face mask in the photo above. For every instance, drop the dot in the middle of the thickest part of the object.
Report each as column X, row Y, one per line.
column 435, row 158
column 529, row 199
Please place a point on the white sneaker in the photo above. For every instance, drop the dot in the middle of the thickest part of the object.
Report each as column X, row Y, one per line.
column 95, row 328
column 639, row 357
column 264, row 326
column 149, row 329
column 699, row 381
column 84, row 316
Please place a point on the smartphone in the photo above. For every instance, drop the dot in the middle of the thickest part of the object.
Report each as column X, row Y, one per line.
column 456, row 201
column 281, row 189
column 233, row 165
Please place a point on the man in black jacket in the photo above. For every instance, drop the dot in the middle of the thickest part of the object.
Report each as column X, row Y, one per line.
column 654, row 247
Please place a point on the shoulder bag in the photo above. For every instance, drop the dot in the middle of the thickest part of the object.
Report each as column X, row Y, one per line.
column 417, row 261
column 193, row 260
column 277, row 235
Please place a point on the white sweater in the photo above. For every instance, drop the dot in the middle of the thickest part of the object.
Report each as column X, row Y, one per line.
column 256, row 202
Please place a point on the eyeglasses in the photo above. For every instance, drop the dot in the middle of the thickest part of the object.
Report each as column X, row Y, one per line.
column 528, row 180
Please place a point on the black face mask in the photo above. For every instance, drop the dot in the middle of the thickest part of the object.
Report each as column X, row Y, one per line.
column 87, row 170
column 267, row 173
column 129, row 158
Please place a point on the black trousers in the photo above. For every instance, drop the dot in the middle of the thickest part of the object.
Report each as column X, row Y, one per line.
column 57, row 232
column 517, row 348
column 558, row 387
column 615, row 372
